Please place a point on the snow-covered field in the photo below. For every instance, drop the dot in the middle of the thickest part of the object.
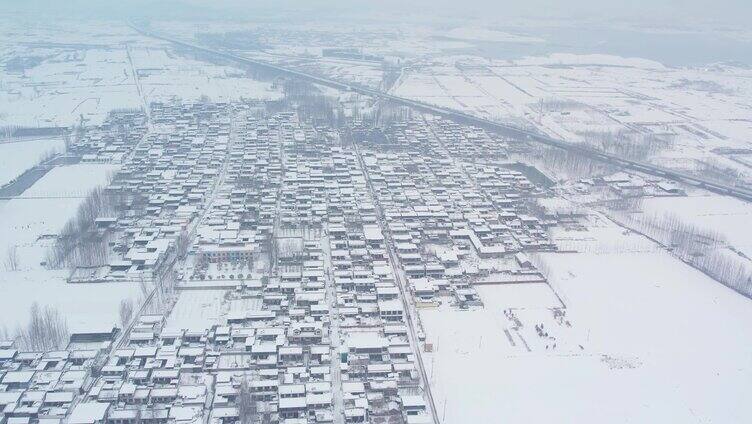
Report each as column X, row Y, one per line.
column 68, row 86
column 649, row 340
column 519, row 296
column 17, row 157
column 164, row 75
column 590, row 98
column 724, row 215
column 105, row 66
column 25, row 220
column 72, row 180
column 83, row 305
column 45, row 208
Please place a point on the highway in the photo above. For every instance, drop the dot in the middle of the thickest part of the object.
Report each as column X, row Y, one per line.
column 465, row 118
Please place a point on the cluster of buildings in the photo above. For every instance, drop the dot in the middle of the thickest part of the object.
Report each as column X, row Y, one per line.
column 300, row 257
column 165, row 182
column 43, row 387
column 453, row 223
column 327, row 338
column 374, row 348
column 111, row 141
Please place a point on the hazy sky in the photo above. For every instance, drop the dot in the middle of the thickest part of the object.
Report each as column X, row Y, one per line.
column 733, row 10
column 673, row 11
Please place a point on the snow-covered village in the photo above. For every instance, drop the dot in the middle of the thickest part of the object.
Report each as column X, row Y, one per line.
column 287, row 216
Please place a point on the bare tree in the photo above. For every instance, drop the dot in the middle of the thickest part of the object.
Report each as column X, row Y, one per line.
column 5, row 335
column 67, row 141
column 702, row 248
column 715, row 170
column 47, row 330
column 126, row 311
column 628, row 143
column 182, row 243
column 573, row 165
column 79, row 243
column 11, row 259
column 247, row 409
column 150, row 302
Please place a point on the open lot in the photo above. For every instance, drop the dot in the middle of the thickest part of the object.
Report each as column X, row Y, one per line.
column 520, row 296
column 199, row 309
column 660, row 343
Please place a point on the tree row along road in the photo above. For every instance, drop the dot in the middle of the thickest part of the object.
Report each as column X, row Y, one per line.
column 465, row 118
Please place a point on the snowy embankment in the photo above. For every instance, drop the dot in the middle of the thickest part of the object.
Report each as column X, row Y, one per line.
column 47, row 206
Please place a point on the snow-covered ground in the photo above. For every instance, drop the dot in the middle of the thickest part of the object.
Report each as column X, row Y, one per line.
column 624, row 333
column 164, row 75
column 17, row 157
column 83, row 305
column 80, row 72
column 519, row 296
column 724, row 215
column 72, row 180
column 44, row 212
column 199, row 309
column 67, row 86
column 591, row 98
column 45, row 208
column 660, row 342
column 577, row 97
